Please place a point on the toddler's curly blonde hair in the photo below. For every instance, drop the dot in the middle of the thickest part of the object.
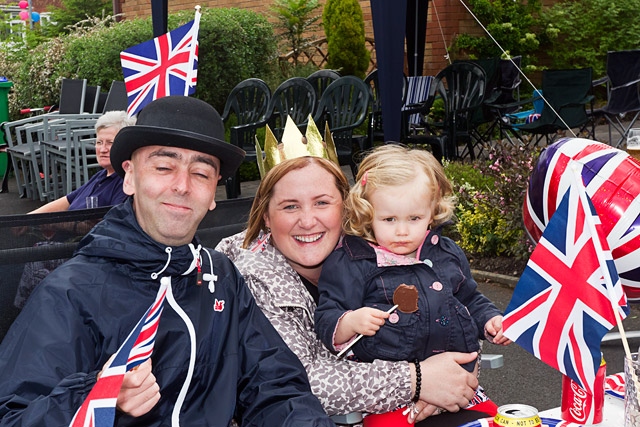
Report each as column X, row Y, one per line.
column 393, row 165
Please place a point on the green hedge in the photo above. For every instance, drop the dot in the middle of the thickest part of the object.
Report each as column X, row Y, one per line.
column 234, row 45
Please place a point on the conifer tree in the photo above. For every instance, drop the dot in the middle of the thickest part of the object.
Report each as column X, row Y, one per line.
column 344, row 28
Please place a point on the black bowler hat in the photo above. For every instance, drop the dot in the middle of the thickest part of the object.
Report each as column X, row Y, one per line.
column 177, row 121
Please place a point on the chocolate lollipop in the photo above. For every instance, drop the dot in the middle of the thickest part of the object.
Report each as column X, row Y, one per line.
column 406, row 296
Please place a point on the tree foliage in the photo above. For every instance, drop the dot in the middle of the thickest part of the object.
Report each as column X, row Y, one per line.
column 579, row 33
column 513, row 23
column 344, row 28
column 73, row 11
column 295, row 20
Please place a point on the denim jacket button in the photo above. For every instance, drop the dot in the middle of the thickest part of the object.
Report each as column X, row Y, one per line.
column 393, row 318
column 436, row 286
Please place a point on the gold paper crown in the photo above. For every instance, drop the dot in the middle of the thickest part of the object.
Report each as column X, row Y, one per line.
column 293, row 145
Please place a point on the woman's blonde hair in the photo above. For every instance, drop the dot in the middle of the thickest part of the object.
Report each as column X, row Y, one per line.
column 265, row 190
column 391, row 165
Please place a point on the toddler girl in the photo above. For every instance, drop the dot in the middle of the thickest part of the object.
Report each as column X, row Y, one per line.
column 393, row 253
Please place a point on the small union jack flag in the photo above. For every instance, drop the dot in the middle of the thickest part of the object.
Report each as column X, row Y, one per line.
column 99, row 408
column 565, row 300
column 166, row 65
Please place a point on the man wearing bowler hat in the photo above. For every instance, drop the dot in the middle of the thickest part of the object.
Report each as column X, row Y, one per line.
column 216, row 357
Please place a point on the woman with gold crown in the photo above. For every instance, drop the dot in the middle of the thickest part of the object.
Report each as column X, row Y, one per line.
column 294, row 224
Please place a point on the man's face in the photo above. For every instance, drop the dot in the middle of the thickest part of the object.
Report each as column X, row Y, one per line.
column 173, row 189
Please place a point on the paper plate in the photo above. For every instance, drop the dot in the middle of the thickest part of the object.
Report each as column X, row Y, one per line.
column 546, row 422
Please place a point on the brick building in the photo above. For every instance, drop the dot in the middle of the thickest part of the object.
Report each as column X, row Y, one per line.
column 451, row 19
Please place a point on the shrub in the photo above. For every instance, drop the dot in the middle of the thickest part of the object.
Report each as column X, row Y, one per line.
column 490, row 196
column 234, row 45
column 513, row 23
column 344, row 28
column 71, row 12
column 36, row 82
column 94, row 53
column 467, row 176
column 579, row 34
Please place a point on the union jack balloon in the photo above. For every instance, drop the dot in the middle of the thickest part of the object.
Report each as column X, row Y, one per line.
column 612, row 180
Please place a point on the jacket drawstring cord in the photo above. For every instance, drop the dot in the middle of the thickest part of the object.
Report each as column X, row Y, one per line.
column 211, row 278
column 177, row 408
column 197, row 263
column 167, row 250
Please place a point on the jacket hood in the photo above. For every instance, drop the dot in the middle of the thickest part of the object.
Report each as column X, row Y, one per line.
column 119, row 237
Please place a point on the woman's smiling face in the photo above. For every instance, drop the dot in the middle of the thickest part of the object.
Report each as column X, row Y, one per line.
column 305, row 218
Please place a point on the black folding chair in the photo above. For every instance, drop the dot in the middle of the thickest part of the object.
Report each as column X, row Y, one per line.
column 566, row 94
column 623, row 97
column 116, row 99
column 509, row 83
column 418, row 91
column 91, row 99
column 483, row 120
column 72, row 96
column 504, row 99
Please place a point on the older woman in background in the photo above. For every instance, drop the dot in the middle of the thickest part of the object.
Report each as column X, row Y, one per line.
column 106, row 185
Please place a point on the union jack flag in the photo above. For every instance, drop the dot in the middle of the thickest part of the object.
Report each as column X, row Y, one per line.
column 166, row 65
column 99, row 408
column 564, row 302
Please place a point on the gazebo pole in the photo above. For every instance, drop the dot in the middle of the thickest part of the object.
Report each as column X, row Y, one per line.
column 159, row 16
column 389, row 23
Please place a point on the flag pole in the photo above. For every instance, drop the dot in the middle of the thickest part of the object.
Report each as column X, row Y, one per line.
column 192, row 53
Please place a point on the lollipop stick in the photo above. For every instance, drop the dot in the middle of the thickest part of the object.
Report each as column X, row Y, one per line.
column 344, row 350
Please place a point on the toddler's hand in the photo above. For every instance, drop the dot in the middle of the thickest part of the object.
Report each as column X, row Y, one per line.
column 366, row 320
column 493, row 331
